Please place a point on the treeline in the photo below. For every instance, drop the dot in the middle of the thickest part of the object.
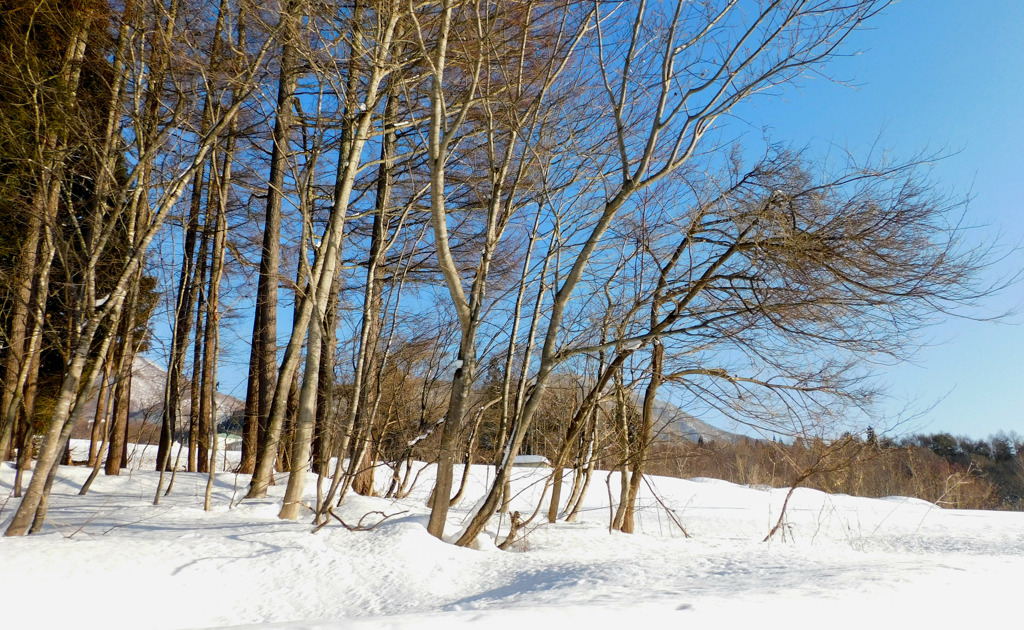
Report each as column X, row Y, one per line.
column 948, row 471
column 459, row 229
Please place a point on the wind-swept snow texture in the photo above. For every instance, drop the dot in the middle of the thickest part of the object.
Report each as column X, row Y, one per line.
column 113, row 560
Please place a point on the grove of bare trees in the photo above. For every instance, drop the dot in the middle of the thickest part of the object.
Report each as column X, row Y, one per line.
column 449, row 231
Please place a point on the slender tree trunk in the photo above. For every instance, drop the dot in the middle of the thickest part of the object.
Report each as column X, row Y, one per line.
column 122, row 395
column 18, row 337
column 576, row 427
column 212, row 332
column 188, row 289
column 265, row 327
column 349, row 436
column 304, row 427
column 471, row 450
column 373, row 300
column 98, row 434
column 251, row 434
column 361, row 468
column 25, row 398
column 28, row 425
column 207, row 386
column 103, row 410
column 510, row 353
column 198, row 433
column 576, row 502
column 325, row 412
column 646, row 437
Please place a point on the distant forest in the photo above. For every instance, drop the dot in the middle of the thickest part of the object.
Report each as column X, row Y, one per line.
column 952, row 472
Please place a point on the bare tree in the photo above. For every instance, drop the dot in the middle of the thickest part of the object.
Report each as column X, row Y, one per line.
column 489, row 51
column 665, row 82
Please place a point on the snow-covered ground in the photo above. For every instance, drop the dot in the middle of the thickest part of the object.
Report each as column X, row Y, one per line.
column 113, row 560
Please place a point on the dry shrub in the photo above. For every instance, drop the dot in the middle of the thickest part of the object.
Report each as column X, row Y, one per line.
column 846, row 466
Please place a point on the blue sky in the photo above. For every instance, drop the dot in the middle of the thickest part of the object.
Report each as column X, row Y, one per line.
column 940, row 75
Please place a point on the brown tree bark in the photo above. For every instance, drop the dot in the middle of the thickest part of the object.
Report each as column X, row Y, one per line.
column 100, row 422
column 326, row 418
column 18, row 337
column 198, row 434
column 118, row 442
column 264, row 340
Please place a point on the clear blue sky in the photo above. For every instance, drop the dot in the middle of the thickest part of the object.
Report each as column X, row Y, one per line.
column 938, row 74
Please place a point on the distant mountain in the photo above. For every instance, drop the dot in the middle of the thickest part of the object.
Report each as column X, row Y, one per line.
column 147, row 401
column 149, row 378
column 672, row 423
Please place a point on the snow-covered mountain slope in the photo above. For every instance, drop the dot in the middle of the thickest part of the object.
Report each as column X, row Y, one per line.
column 148, row 382
column 671, row 422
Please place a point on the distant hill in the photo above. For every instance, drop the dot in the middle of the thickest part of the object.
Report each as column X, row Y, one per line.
column 149, row 379
column 147, row 401
column 672, row 423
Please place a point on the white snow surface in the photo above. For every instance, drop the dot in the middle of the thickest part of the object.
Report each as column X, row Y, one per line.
column 111, row 559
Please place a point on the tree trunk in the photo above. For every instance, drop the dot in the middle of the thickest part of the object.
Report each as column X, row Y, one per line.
column 646, row 437
column 264, row 339
column 29, row 423
column 576, row 502
column 100, row 423
column 18, row 337
column 251, row 429
column 196, row 439
column 122, row 401
column 188, row 288
column 211, row 335
column 324, row 431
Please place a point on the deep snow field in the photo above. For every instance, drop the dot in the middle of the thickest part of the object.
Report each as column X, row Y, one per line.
column 113, row 560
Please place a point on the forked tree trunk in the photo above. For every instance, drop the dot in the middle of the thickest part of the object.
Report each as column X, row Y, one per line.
column 638, row 461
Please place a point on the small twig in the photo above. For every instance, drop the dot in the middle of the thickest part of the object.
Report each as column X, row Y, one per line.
column 234, row 493
column 671, row 513
column 135, row 522
column 782, row 517
column 611, row 508
column 958, row 480
column 358, row 527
